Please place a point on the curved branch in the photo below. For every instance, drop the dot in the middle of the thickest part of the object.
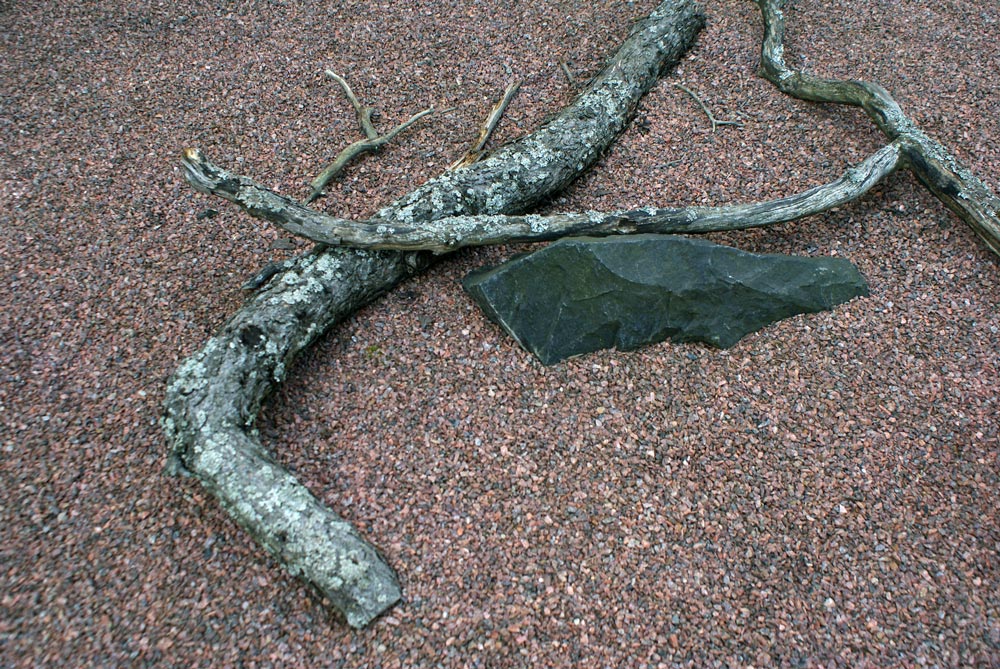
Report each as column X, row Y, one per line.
column 932, row 163
column 872, row 98
column 213, row 399
column 448, row 234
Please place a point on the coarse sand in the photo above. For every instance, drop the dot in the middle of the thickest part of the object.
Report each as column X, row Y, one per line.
column 824, row 493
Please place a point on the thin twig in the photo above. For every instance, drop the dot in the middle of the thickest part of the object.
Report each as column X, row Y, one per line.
column 373, row 142
column 569, row 75
column 364, row 112
column 494, row 118
column 715, row 122
column 489, row 125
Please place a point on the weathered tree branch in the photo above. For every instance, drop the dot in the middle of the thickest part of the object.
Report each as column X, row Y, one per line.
column 213, row 398
column 448, row 234
column 930, row 161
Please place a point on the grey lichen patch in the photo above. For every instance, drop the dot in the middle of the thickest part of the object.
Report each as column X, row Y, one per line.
column 271, row 347
column 291, row 278
column 254, row 197
column 352, row 566
column 300, row 288
column 595, row 217
column 191, row 375
column 329, row 267
column 536, row 224
column 211, row 456
column 171, row 428
column 192, row 372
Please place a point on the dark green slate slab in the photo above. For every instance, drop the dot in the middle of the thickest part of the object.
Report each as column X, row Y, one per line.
column 584, row 294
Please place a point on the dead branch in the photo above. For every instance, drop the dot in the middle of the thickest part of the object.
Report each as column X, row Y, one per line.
column 933, row 164
column 448, row 234
column 213, row 399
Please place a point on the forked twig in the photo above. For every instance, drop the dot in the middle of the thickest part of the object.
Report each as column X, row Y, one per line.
column 715, row 122
column 372, row 142
column 489, row 125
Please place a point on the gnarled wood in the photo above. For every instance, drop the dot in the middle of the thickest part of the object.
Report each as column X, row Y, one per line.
column 448, row 234
column 933, row 164
column 214, row 397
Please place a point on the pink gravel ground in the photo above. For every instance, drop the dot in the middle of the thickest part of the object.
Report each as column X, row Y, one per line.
column 823, row 494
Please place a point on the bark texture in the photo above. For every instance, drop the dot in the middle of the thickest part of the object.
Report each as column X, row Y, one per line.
column 214, row 397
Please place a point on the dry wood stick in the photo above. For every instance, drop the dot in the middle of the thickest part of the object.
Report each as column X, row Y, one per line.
column 448, row 234
column 489, row 125
column 715, row 122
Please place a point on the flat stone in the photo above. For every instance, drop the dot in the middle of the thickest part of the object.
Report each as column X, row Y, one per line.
column 583, row 294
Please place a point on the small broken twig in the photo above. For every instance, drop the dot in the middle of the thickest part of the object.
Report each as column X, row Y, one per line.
column 364, row 112
column 372, row 142
column 569, row 75
column 715, row 122
column 489, row 125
